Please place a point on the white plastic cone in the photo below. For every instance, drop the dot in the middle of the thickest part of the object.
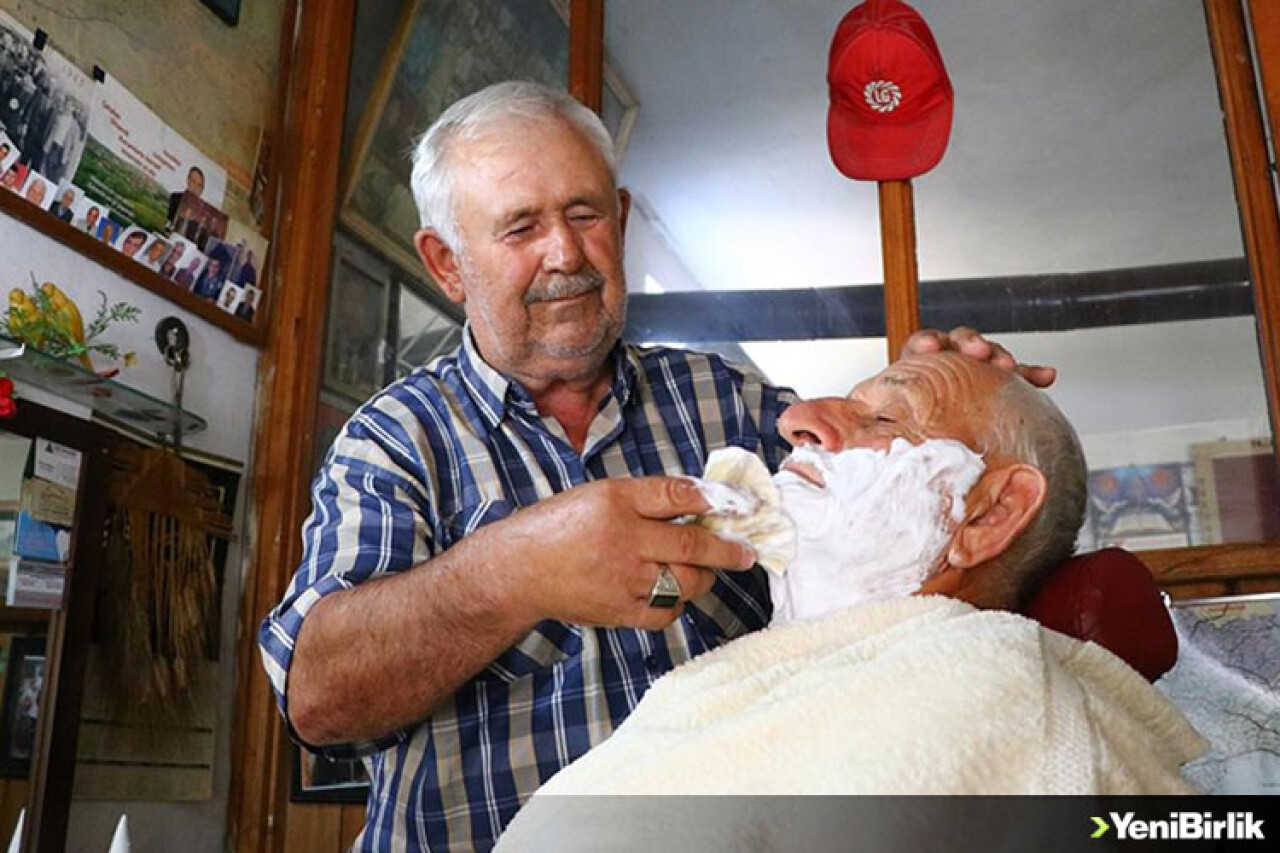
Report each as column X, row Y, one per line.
column 15, row 843
column 120, row 841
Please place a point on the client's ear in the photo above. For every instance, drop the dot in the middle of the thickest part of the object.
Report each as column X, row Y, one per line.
column 1002, row 505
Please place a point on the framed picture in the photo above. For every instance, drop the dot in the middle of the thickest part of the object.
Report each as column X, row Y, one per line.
column 355, row 341
column 319, row 780
column 23, row 692
column 1139, row 507
column 1239, row 490
column 444, row 50
column 332, row 414
column 227, row 10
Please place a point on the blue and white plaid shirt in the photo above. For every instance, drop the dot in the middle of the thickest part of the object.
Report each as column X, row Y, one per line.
column 457, row 445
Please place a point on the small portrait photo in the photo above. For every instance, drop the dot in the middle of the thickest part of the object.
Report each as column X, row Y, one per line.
column 64, row 201
column 14, row 177
column 209, row 283
column 229, row 299
column 39, row 190
column 154, row 253
column 248, row 302
column 9, row 152
column 250, row 251
column 88, row 215
column 130, row 242
column 181, row 251
column 189, row 268
column 109, row 230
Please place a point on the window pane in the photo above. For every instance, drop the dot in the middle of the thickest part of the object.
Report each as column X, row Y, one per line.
column 1103, row 238
column 424, row 333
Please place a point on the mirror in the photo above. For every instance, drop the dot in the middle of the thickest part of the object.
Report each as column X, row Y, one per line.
column 1084, row 214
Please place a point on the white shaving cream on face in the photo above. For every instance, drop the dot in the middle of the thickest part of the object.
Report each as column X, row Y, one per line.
column 876, row 529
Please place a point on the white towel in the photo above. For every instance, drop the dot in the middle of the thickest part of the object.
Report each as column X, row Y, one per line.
column 923, row 695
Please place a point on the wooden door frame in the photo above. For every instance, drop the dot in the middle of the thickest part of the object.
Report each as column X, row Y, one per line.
column 316, row 40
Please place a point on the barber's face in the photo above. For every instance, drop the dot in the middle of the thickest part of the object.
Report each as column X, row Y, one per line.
column 540, row 261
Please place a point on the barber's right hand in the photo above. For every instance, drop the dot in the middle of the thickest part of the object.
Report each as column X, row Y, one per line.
column 591, row 555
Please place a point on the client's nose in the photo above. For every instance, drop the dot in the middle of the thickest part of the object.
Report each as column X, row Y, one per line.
column 822, row 423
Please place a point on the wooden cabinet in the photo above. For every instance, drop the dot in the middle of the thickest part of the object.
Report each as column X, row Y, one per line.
column 46, row 793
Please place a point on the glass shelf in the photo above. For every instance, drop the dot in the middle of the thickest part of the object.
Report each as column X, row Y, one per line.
column 107, row 398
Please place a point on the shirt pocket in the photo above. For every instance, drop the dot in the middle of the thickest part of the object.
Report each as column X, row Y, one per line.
column 549, row 644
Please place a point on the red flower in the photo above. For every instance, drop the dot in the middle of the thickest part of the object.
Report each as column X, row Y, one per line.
column 7, row 407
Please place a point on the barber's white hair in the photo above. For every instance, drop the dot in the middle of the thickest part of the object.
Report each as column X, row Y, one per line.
column 480, row 113
column 1030, row 428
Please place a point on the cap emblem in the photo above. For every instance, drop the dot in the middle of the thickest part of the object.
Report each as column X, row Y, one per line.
column 883, row 96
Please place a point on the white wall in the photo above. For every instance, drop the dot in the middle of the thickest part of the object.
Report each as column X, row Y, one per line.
column 221, row 387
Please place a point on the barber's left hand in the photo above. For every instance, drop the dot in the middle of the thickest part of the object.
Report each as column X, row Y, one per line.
column 970, row 342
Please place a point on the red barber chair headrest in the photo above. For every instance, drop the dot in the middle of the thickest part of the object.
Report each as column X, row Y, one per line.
column 1109, row 598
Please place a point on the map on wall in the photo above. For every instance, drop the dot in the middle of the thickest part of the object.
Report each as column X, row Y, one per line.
column 1227, row 682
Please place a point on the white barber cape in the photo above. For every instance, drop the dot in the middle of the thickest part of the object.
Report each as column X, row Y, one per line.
column 922, row 695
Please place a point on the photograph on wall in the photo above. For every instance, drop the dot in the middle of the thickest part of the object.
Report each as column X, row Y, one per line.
column 250, row 299
column 47, row 103
column 14, row 177
column 130, row 242
column 178, row 264
column 154, row 252
column 136, row 164
column 24, row 685
column 355, row 341
column 64, row 202
column 1140, row 507
column 1239, row 490
column 109, row 228
column 1227, row 682
column 229, row 297
column 9, row 152
column 88, row 215
column 198, row 220
column 248, row 253
column 38, row 190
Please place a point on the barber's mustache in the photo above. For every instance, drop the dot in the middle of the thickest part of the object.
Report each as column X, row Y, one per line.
column 563, row 286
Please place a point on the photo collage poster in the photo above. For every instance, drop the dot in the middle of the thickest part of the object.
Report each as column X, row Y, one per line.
column 90, row 153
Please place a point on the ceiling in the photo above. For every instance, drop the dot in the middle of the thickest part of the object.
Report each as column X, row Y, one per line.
column 1087, row 136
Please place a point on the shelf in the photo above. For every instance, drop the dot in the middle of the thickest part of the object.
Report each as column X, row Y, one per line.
column 104, row 255
column 107, row 398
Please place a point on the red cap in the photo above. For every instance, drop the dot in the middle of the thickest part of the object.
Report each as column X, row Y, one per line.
column 891, row 99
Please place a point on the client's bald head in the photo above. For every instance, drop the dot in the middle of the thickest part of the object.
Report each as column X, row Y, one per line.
column 1022, row 516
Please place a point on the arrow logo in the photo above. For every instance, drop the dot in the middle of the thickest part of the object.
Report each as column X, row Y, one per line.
column 1102, row 828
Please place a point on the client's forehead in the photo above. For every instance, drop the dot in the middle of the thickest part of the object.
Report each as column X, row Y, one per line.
column 945, row 395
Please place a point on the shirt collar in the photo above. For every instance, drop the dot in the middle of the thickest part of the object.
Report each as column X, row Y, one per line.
column 494, row 392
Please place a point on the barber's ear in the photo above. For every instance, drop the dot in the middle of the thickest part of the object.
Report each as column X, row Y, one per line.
column 441, row 262
column 998, row 509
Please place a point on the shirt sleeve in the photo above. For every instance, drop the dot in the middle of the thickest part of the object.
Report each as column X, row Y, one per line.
column 370, row 516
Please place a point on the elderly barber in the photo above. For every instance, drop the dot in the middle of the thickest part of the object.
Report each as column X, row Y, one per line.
column 489, row 581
